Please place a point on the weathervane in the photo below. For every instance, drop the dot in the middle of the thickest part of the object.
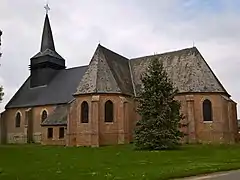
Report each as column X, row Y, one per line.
column 47, row 8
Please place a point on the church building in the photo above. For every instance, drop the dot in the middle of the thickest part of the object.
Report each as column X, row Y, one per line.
column 94, row 105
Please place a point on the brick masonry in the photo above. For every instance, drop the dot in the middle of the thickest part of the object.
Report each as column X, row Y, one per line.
column 55, row 140
column 29, row 126
column 97, row 132
column 223, row 128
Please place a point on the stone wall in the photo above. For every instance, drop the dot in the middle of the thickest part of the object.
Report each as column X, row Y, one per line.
column 16, row 138
column 37, row 137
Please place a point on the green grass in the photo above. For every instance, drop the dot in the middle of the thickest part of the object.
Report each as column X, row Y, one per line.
column 35, row 162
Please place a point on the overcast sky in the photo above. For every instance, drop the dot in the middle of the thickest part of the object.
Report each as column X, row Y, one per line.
column 130, row 27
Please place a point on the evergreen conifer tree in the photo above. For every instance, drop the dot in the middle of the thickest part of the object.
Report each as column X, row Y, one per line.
column 1, row 93
column 1, row 88
column 158, row 127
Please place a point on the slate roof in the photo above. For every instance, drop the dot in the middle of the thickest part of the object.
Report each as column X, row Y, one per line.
column 47, row 52
column 186, row 68
column 57, row 117
column 59, row 90
column 108, row 72
column 47, row 44
column 47, row 37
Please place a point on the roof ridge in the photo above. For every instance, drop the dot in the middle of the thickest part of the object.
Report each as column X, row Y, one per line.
column 112, row 51
column 165, row 53
column 132, row 80
column 76, row 67
column 186, row 67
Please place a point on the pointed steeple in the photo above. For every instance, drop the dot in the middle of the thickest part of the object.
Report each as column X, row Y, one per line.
column 46, row 63
column 47, row 37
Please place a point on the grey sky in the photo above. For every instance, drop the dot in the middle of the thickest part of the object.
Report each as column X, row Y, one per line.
column 130, row 27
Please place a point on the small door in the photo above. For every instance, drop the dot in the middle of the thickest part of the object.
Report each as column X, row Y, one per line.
column 29, row 125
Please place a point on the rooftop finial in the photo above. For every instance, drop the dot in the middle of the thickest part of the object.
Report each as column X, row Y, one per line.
column 47, row 8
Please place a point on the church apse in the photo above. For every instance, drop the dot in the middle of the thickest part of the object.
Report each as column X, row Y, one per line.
column 109, row 120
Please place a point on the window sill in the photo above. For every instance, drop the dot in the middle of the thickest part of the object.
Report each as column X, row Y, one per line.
column 108, row 122
column 207, row 122
column 84, row 122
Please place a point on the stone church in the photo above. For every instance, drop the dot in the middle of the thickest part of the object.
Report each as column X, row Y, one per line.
column 93, row 105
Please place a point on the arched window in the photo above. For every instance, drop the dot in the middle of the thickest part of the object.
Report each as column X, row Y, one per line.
column 207, row 110
column 44, row 115
column 84, row 112
column 109, row 111
column 18, row 120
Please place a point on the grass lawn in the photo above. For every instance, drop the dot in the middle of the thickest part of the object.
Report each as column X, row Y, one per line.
column 35, row 162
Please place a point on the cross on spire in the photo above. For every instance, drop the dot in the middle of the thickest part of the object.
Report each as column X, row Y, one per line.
column 47, row 8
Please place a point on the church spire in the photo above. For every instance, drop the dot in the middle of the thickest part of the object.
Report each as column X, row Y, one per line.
column 47, row 37
column 46, row 63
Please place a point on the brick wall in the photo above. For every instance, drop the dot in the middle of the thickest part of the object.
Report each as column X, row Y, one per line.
column 223, row 128
column 97, row 132
column 20, row 134
column 55, row 140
